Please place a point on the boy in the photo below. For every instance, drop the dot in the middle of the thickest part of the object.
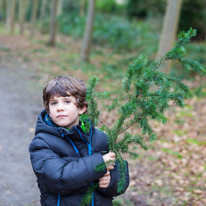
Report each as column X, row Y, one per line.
column 63, row 155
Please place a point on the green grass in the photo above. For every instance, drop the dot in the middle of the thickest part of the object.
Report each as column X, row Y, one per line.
column 200, row 91
column 179, row 121
column 122, row 202
column 5, row 49
column 195, row 141
column 180, row 132
column 185, row 114
column 169, row 151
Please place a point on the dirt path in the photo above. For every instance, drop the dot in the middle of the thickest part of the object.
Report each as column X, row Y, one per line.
column 19, row 106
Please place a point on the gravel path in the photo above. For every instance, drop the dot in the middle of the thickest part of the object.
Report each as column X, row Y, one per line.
column 19, row 106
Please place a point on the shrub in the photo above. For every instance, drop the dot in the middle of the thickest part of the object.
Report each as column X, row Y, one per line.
column 107, row 6
column 145, row 8
column 113, row 31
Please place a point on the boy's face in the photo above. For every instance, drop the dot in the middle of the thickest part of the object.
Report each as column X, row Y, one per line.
column 64, row 112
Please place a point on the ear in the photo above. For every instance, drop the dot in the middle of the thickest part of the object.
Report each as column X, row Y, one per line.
column 82, row 110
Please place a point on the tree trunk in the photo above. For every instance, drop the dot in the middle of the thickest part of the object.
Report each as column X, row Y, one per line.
column 169, row 30
column 1, row 10
column 8, row 15
column 33, row 18
column 59, row 7
column 43, row 8
column 22, row 12
column 52, row 33
column 12, row 19
column 86, row 44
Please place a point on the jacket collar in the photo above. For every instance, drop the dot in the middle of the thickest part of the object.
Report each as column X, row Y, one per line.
column 76, row 133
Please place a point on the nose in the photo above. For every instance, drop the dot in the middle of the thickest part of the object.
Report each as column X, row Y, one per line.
column 60, row 107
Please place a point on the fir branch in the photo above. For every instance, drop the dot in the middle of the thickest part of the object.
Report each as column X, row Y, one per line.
column 130, row 125
column 157, row 63
column 121, row 168
column 101, row 121
column 94, row 113
column 190, row 64
column 86, row 200
column 100, row 167
column 116, row 102
column 135, row 68
column 103, row 95
column 133, row 154
column 138, row 105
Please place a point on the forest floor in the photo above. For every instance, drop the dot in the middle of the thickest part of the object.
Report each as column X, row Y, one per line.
column 171, row 173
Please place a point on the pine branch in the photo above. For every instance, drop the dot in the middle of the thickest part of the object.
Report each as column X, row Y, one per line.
column 139, row 105
column 130, row 125
column 86, row 200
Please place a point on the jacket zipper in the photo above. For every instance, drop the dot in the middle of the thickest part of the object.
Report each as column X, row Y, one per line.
column 89, row 152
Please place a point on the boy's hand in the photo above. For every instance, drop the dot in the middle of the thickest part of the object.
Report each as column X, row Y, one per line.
column 108, row 157
column 105, row 180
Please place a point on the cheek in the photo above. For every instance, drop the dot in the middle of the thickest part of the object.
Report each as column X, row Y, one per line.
column 51, row 112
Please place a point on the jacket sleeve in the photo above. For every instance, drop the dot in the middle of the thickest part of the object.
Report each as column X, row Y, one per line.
column 111, row 190
column 58, row 175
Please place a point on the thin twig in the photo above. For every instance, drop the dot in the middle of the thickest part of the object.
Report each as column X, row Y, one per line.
column 130, row 126
column 101, row 121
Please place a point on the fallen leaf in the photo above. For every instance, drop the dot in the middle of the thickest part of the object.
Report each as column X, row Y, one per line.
column 198, row 192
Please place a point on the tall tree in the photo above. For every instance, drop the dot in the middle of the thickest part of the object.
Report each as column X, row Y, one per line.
column 12, row 18
column 52, row 33
column 8, row 15
column 169, row 30
column 43, row 8
column 1, row 9
column 33, row 18
column 22, row 12
column 59, row 7
column 86, row 44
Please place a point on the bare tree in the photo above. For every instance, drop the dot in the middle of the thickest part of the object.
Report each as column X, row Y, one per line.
column 169, row 30
column 22, row 12
column 33, row 18
column 86, row 44
column 52, row 33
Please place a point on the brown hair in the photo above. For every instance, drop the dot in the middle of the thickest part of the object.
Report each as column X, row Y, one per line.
column 65, row 86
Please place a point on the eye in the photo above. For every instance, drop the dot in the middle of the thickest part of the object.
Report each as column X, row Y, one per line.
column 67, row 101
column 53, row 103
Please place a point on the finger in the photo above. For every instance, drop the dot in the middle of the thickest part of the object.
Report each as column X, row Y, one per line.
column 105, row 178
column 100, row 179
column 104, row 183
column 112, row 154
column 110, row 167
column 103, row 186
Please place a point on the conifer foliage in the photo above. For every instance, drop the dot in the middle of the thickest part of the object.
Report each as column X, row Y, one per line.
column 141, row 103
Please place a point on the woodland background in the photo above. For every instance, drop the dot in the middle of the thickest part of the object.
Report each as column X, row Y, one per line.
column 84, row 38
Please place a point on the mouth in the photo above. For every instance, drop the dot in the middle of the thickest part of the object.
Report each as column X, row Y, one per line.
column 61, row 116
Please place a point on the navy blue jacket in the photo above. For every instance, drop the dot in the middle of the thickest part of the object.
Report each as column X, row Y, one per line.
column 64, row 163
